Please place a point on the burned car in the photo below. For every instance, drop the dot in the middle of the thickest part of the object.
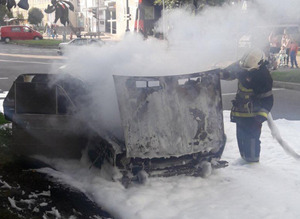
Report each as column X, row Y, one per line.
column 171, row 124
column 42, row 115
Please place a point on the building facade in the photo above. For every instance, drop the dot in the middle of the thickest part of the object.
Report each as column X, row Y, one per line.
column 48, row 18
column 114, row 17
column 108, row 16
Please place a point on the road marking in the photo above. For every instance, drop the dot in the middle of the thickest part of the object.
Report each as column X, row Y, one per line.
column 5, row 78
column 27, row 62
column 3, row 95
column 32, row 56
column 228, row 94
column 278, row 89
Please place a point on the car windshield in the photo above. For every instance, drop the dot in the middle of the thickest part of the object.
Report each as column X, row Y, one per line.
column 78, row 41
column 26, row 29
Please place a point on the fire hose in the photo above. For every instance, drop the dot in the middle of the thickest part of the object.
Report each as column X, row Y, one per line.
column 275, row 133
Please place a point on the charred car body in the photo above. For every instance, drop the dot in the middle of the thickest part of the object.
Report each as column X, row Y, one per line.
column 172, row 124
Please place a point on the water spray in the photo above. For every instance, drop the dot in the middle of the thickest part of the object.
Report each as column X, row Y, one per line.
column 275, row 133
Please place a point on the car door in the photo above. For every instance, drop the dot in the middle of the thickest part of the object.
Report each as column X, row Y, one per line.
column 27, row 33
column 16, row 33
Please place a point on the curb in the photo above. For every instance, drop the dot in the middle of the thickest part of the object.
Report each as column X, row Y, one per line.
column 286, row 85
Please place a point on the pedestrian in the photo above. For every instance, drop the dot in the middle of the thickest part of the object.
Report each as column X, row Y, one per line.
column 274, row 43
column 282, row 56
column 48, row 31
column 253, row 101
column 45, row 29
column 285, row 43
column 55, row 34
column 52, row 33
column 293, row 53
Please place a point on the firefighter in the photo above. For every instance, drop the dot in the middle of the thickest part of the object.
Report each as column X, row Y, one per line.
column 253, row 101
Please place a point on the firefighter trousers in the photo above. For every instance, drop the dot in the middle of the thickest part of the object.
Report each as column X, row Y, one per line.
column 248, row 132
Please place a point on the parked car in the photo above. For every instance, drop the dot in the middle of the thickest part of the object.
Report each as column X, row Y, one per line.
column 63, row 47
column 18, row 32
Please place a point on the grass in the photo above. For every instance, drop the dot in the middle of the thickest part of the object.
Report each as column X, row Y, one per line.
column 286, row 75
column 2, row 119
column 38, row 43
column 5, row 213
column 5, row 140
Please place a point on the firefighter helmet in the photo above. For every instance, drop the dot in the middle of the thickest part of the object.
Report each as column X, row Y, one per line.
column 253, row 59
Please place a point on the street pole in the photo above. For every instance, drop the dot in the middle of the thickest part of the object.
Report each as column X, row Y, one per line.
column 97, row 20
column 86, row 18
column 127, row 12
column 163, row 19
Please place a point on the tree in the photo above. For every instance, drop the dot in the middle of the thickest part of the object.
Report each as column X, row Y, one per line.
column 198, row 4
column 61, row 9
column 20, row 16
column 3, row 12
column 35, row 16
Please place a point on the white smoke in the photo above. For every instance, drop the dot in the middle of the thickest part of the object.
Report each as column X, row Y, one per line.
column 192, row 43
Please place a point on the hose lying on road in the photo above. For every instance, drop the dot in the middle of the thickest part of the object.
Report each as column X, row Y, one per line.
column 275, row 133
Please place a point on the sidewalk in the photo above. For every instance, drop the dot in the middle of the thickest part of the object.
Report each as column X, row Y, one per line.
column 103, row 36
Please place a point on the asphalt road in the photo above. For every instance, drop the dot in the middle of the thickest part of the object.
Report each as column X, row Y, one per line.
column 286, row 102
column 16, row 60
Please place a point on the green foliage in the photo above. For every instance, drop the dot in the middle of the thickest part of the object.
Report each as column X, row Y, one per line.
column 3, row 12
column 198, row 4
column 292, row 75
column 5, row 138
column 2, row 120
column 5, row 133
column 5, row 213
column 35, row 16
column 20, row 16
column 171, row 3
column 39, row 43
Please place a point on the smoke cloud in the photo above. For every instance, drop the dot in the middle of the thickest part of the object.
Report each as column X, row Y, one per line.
column 193, row 43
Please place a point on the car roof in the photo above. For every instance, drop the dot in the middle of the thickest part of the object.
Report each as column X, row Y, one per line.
column 15, row 26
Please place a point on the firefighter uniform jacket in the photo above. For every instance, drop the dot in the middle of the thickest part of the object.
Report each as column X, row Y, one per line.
column 254, row 96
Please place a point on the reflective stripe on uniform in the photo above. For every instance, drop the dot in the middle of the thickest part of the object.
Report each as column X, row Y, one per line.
column 267, row 94
column 245, row 108
column 239, row 114
column 242, row 88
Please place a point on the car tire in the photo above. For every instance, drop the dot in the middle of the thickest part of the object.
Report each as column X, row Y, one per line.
column 7, row 40
column 36, row 38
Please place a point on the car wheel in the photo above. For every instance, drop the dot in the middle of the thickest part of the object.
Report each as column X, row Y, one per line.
column 7, row 40
column 36, row 38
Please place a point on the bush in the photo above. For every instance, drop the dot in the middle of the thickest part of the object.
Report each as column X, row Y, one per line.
column 2, row 119
column 39, row 43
